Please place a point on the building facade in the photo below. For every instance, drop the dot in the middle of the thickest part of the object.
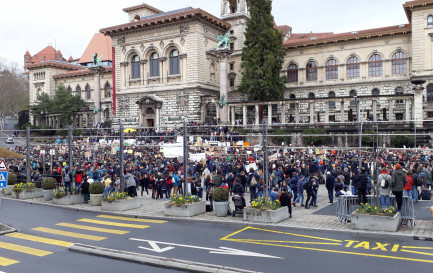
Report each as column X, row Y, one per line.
column 165, row 67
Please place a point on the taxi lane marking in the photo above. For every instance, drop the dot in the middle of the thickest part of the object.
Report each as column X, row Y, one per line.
column 416, row 247
column 417, row 252
column 6, row 261
column 289, row 242
column 279, row 232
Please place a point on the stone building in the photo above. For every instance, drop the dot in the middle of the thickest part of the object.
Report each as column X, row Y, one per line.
column 48, row 68
column 165, row 67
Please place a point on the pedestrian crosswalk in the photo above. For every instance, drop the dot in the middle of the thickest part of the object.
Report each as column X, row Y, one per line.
column 64, row 234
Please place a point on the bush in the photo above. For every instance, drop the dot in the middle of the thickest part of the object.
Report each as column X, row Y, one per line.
column 97, row 188
column 282, row 136
column 62, row 132
column 59, row 193
column 312, row 140
column 49, row 183
column 367, row 138
column 12, row 179
column 400, row 141
column 220, row 195
column 76, row 132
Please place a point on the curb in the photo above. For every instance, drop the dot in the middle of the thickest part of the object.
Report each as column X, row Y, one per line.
column 263, row 225
column 9, row 229
column 154, row 260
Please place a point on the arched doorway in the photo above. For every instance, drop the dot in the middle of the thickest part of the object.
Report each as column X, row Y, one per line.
column 149, row 117
column 211, row 112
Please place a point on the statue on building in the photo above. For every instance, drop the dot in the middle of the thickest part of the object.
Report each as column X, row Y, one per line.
column 97, row 60
column 224, row 40
column 222, row 102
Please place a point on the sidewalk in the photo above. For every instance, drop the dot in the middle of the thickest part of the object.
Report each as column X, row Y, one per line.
column 302, row 218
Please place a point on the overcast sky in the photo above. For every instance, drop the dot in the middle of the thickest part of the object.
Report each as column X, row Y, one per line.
column 69, row 25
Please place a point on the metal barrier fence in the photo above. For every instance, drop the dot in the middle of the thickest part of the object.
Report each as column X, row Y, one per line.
column 346, row 204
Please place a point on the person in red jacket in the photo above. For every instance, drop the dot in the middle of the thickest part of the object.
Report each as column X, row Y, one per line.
column 407, row 189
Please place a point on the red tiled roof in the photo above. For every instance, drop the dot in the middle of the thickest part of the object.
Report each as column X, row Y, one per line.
column 46, row 54
column 81, row 72
column 412, row 4
column 297, row 40
column 27, row 53
column 143, row 6
column 100, row 44
column 178, row 16
column 54, row 63
column 70, row 59
column 284, row 29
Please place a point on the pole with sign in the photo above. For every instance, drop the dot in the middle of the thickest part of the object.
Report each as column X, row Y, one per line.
column 3, row 178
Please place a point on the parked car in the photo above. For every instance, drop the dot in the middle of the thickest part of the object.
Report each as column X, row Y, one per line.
column 9, row 140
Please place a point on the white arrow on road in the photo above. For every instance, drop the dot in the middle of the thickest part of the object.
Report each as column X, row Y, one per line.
column 156, row 248
column 220, row 250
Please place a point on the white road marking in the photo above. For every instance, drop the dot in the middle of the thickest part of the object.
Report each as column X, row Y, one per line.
column 220, row 250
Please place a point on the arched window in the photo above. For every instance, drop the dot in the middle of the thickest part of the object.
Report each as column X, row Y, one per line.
column 292, row 73
column 135, row 67
column 87, row 92
column 353, row 67
column 430, row 21
column 312, row 71
column 292, row 105
column 399, row 63
column 375, row 65
column 375, row 92
column 311, row 96
column 78, row 91
column 430, row 93
column 107, row 90
column 69, row 89
column 154, row 65
column 331, row 69
column 150, row 111
column 137, row 17
column 174, row 62
column 399, row 91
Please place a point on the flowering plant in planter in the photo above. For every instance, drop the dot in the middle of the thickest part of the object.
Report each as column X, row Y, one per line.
column 180, row 199
column 265, row 204
column 116, row 196
column 374, row 210
column 24, row 187
column 59, row 193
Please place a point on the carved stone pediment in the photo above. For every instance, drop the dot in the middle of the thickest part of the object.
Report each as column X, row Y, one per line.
column 150, row 100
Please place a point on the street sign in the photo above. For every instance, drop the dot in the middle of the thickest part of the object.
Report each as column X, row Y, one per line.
column 3, row 179
column 3, row 167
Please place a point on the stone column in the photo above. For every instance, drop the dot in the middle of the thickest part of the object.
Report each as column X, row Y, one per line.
column 158, row 118
column 311, row 112
column 223, row 55
column 342, row 112
column 374, row 102
column 257, row 114
column 407, row 115
column 96, row 71
column 296, row 112
column 269, row 113
column 244, row 114
column 418, row 111
column 391, row 110
column 326, row 112
column 217, row 111
column 283, row 112
column 233, row 114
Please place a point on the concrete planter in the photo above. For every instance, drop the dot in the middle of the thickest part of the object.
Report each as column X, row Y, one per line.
column 8, row 190
column 69, row 200
column 266, row 216
column 96, row 199
column 48, row 195
column 221, row 208
column 376, row 222
column 185, row 210
column 121, row 205
column 36, row 193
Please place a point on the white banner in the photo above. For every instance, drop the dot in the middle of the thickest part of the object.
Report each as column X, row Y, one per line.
column 197, row 157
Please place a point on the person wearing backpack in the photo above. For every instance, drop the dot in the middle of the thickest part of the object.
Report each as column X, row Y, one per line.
column 384, row 181
column 252, row 180
column 67, row 180
column 78, row 180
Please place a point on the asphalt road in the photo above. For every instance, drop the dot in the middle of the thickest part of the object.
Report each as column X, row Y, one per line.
column 8, row 132
column 239, row 246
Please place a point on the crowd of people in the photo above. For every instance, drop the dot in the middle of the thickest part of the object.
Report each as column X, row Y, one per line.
column 294, row 176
